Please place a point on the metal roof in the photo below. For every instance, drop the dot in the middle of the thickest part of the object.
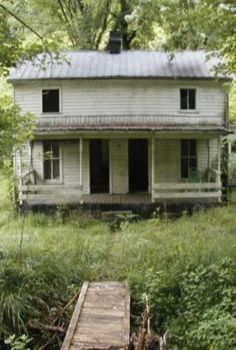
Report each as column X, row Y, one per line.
column 91, row 123
column 128, row 64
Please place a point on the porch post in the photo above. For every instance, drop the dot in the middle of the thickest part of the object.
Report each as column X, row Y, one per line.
column 219, row 161
column 81, row 161
column 153, row 166
column 20, row 179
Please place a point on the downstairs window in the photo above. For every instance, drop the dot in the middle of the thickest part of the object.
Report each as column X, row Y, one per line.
column 51, row 162
column 188, row 158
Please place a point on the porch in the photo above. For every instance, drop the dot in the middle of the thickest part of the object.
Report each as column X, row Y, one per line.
column 124, row 171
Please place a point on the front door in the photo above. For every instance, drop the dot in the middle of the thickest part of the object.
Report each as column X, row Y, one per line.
column 138, row 165
column 99, row 166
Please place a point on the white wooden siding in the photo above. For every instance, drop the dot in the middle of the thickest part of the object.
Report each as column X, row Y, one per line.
column 167, row 160
column 37, row 156
column 86, row 167
column 119, row 166
column 168, row 155
column 127, row 97
column 71, row 163
column 202, row 155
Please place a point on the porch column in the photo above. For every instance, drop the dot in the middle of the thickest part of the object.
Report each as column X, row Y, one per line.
column 20, row 177
column 81, row 161
column 153, row 166
column 219, row 161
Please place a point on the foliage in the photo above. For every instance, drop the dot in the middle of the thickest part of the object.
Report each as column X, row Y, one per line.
column 232, row 103
column 205, row 24
column 10, row 44
column 15, row 127
column 18, row 343
column 184, row 265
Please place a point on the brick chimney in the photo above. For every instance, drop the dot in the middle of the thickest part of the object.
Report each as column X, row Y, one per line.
column 115, row 42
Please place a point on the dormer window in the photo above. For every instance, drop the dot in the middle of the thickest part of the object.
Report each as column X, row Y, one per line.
column 187, row 99
column 50, row 101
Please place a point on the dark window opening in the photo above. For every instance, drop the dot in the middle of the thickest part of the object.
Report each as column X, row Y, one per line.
column 99, row 166
column 187, row 99
column 50, row 101
column 138, row 165
column 188, row 158
column 51, row 162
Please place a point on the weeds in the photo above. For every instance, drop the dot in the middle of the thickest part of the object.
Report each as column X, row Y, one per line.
column 179, row 263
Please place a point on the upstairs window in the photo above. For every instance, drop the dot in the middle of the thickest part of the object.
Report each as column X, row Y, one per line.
column 187, row 99
column 188, row 158
column 50, row 101
column 51, row 161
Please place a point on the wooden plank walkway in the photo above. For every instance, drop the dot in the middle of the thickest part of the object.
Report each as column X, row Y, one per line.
column 101, row 319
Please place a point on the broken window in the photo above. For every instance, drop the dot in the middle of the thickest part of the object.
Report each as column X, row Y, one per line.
column 188, row 158
column 51, row 161
column 187, row 99
column 50, row 101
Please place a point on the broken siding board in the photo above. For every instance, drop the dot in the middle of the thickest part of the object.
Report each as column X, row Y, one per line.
column 101, row 319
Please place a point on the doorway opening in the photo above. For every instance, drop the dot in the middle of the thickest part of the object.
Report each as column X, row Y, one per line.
column 99, row 166
column 138, row 165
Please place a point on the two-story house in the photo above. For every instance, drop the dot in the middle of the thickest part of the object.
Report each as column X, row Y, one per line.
column 121, row 128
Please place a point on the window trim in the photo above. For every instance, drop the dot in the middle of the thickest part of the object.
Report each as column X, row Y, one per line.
column 60, row 179
column 60, row 99
column 188, row 139
column 193, row 111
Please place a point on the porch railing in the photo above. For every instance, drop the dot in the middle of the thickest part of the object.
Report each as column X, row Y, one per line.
column 50, row 193
column 186, row 190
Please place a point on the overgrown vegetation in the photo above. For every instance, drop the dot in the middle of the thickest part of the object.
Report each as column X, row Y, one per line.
column 186, row 266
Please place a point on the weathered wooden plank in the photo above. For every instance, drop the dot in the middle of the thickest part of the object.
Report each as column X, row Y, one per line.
column 51, row 187
column 74, row 320
column 99, row 345
column 102, row 321
column 186, row 186
column 126, row 323
column 95, row 311
column 174, row 195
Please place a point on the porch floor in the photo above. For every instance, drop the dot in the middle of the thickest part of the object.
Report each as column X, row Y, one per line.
column 123, row 199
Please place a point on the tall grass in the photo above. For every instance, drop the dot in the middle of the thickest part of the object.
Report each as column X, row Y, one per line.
column 153, row 255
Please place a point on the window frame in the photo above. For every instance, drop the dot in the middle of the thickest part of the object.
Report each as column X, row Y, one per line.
column 187, row 157
column 60, row 178
column 60, row 99
column 196, row 109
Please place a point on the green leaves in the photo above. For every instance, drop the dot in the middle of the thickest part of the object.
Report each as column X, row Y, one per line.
column 15, row 127
column 18, row 343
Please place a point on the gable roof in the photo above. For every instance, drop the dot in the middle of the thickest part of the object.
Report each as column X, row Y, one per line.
column 185, row 64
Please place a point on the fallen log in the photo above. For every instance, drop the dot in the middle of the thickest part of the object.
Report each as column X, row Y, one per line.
column 34, row 324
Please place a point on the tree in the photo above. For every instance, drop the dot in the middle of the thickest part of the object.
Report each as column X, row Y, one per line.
column 15, row 128
column 202, row 24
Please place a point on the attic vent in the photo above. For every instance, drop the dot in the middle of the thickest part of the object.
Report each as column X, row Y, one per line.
column 115, row 42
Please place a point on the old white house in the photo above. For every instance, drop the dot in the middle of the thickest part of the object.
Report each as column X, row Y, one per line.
column 130, row 127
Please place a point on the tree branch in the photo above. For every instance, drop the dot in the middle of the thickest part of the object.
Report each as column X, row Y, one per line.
column 20, row 20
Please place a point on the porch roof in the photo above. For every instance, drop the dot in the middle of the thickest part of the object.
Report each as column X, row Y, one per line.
column 105, row 123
